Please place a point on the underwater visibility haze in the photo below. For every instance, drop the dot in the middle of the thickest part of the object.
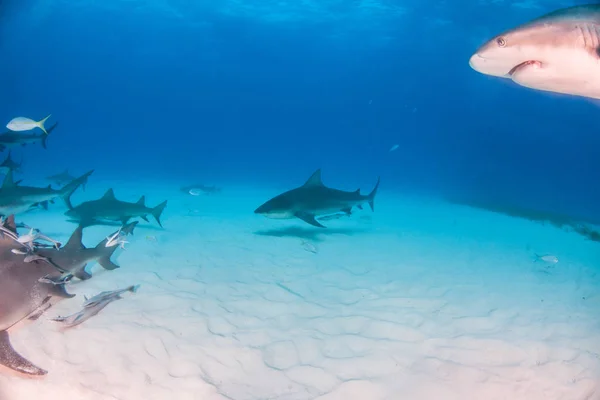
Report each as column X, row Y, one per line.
column 366, row 199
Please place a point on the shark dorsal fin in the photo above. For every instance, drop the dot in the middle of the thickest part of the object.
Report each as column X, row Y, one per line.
column 142, row 201
column 315, row 179
column 109, row 195
column 357, row 191
column 8, row 181
column 75, row 239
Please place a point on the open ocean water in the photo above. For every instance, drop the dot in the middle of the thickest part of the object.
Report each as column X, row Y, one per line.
column 466, row 266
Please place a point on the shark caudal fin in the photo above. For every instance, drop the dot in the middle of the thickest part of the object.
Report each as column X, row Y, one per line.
column 40, row 124
column 371, row 196
column 157, row 211
column 70, row 188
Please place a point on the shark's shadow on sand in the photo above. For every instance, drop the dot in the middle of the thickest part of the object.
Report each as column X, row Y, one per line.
column 308, row 233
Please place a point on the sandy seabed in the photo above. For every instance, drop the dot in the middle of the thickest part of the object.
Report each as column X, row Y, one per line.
column 419, row 300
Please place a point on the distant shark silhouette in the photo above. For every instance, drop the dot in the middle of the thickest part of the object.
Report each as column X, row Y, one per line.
column 109, row 208
column 61, row 178
column 10, row 165
column 313, row 199
column 15, row 198
column 15, row 139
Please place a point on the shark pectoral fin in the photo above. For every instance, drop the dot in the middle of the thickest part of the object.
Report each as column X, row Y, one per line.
column 106, row 263
column 13, row 360
column 347, row 210
column 60, row 291
column 82, row 274
column 309, row 219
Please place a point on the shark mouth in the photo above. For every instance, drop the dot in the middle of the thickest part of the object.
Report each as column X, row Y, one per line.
column 523, row 65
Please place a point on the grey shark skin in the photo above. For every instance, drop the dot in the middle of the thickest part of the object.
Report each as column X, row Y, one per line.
column 10, row 165
column 61, row 178
column 312, row 199
column 16, row 139
column 109, row 208
column 22, row 296
column 15, row 198
column 74, row 256
column 558, row 52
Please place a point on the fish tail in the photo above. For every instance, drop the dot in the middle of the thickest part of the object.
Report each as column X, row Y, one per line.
column 157, row 211
column 371, row 196
column 41, row 123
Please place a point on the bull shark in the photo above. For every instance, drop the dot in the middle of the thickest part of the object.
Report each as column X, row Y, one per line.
column 22, row 295
column 61, row 178
column 15, row 198
column 74, row 256
column 10, row 165
column 16, row 139
column 558, row 52
column 312, row 199
column 111, row 209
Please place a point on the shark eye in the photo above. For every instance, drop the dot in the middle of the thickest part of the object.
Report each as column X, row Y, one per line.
column 501, row 42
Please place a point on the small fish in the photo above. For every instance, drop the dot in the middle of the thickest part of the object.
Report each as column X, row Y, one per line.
column 548, row 258
column 308, row 246
column 59, row 280
column 109, row 295
column 394, row 147
column 195, row 192
column 83, row 315
column 21, row 124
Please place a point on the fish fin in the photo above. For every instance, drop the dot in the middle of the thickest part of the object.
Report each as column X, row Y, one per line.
column 128, row 229
column 44, row 143
column 360, row 207
column 107, row 263
column 347, row 210
column 44, row 205
column 40, row 124
column 141, row 201
column 357, row 191
column 67, row 191
column 75, row 241
column 145, row 218
column 61, row 291
column 9, row 181
column 371, row 196
column 109, row 195
column 158, row 210
column 309, row 219
column 13, row 360
column 314, row 180
column 82, row 274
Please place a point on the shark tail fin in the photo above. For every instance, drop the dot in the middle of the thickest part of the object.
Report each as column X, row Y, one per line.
column 371, row 196
column 70, row 188
column 105, row 254
column 41, row 123
column 157, row 211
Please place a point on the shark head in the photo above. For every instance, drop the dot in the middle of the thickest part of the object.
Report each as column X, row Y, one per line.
column 279, row 207
column 557, row 52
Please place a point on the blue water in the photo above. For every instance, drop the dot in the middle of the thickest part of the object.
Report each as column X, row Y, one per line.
column 249, row 94
column 266, row 92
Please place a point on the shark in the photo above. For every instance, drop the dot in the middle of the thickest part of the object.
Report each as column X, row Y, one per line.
column 73, row 257
column 23, row 294
column 558, row 52
column 61, row 178
column 314, row 198
column 12, row 139
column 10, row 165
column 16, row 198
column 111, row 209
